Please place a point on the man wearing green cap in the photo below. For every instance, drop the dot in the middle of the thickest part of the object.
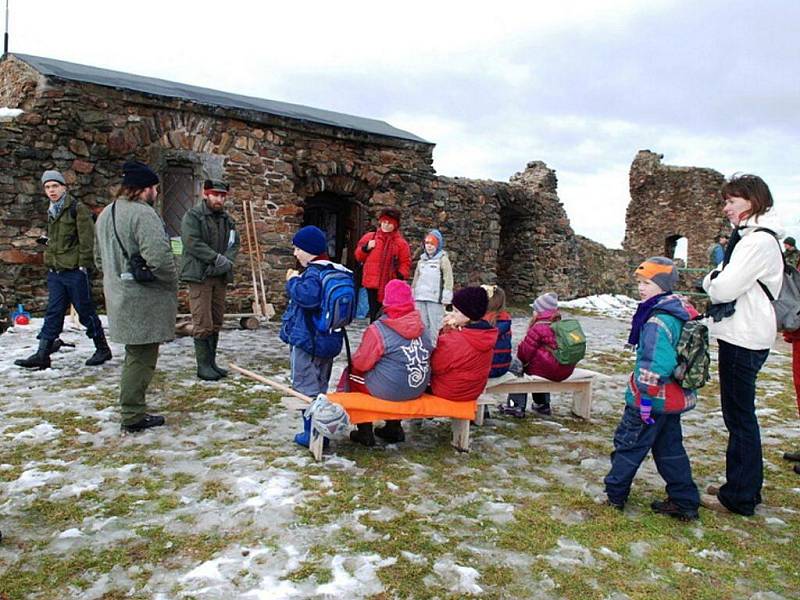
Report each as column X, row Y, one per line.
column 210, row 246
column 68, row 257
column 791, row 253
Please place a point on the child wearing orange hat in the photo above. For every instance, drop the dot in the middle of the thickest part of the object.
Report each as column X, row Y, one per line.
column 433, row 283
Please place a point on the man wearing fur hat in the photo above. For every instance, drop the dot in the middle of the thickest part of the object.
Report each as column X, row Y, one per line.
column 141, row 315
column 210, row 247
column 68, row 257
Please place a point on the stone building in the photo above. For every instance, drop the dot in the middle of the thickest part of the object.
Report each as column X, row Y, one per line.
column 669, row 203
column 297, row 165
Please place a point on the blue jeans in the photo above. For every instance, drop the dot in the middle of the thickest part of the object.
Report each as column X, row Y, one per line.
column 65, row 288
column 633, row 440
column 744, row 467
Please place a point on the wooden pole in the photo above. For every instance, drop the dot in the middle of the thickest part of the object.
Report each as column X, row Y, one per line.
column 278, row 386
column 256, row 303
column 258, row 259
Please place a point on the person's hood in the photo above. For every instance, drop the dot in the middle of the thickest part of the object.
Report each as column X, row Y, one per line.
column 410, row 325
column 548, row 315
column 480, row 335
column 770, row 220
column 677, row 306
column 439, row 249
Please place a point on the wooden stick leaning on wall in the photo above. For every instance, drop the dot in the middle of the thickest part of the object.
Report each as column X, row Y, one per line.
column 259, row 261
column 256, row 301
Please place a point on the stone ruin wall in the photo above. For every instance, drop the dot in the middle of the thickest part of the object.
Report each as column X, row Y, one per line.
column 515, row 234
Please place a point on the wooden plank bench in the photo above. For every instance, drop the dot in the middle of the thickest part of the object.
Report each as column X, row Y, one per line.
column 579, row 383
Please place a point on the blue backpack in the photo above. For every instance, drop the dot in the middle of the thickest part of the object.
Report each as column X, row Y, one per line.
column 338, row 305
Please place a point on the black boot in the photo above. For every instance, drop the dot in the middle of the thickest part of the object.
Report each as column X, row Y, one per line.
column 39, row 360
column 102, row 352
column 202, row 351
column 214, row 340
column 363, row 435
column 392, row 432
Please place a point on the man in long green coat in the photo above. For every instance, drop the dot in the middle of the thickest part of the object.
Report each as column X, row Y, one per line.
column 210, row 246
column 68, row 258
column 140, row 315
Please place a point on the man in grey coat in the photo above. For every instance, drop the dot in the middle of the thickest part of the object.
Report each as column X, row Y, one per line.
column 140, row 315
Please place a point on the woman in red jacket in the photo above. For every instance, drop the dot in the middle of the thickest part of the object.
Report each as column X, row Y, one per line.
column 463, row 356
column 385, row 255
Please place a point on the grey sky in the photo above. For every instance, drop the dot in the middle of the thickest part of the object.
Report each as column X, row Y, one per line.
column 582, row 86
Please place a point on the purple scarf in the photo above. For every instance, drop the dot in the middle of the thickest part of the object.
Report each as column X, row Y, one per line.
column 643, row 313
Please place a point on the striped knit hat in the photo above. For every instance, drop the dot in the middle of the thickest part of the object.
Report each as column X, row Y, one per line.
column 660, row 270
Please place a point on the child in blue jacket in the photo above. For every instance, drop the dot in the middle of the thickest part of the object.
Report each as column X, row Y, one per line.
column 654, row 400
column 311, row 352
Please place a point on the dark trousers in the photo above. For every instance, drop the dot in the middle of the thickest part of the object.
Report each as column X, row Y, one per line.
column 633, row 440
column 744, row 467
column 520, row 400
column 137, row 373
column 374, row 306
column 65, row 288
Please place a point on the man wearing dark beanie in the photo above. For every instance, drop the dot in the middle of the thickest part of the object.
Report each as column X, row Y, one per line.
column 140, row 315
column 463, row 356
column 210, row 247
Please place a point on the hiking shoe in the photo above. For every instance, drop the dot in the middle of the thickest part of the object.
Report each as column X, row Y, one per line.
column 794, row 456
column 543, row 409
column 797, row 469
column 712, row 503
column 620, row 506
column 668, row 507
column 363, row 437
column 512, row 411
column 392, row 432
column 146, row 422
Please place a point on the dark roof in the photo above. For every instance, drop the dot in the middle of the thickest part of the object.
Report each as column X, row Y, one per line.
column 160, row 87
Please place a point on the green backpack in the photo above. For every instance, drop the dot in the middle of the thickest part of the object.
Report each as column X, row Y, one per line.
column 693, row 356
column 570, row 341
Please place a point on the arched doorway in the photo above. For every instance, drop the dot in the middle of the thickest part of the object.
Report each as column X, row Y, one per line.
column 343, row 221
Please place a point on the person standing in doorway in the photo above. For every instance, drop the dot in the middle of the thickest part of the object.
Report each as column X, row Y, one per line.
column 68, row 257
column 210, row 247
column 385, row 255
column 141, row 315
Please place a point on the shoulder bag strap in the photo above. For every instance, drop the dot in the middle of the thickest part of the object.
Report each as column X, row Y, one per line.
column 114, row 225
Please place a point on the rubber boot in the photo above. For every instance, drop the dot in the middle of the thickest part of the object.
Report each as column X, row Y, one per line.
column 102, row 352
column 214, row 340
column 202, row 351
column 363, row 435
column 40, row 359
column 392, row 432
column 304, row 437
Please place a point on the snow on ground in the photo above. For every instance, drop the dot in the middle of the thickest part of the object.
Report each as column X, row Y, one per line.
column 10, row 112
column 220, row 504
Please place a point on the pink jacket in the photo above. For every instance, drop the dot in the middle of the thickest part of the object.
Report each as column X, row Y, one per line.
column 535, row 351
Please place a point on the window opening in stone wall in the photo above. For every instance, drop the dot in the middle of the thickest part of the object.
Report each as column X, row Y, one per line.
column 333, row 214
column 180, row 192
column 677, row 248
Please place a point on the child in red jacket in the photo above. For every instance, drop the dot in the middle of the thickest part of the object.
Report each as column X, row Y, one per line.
column 463, row 356
column 536, row 354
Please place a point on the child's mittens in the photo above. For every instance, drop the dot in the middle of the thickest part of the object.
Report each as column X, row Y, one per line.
column 645, row 409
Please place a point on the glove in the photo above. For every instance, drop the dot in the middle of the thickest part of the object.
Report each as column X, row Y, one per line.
column 222, row 263
column 644, row 411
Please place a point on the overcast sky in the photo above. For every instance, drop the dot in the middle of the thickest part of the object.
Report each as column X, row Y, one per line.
column 580, row 85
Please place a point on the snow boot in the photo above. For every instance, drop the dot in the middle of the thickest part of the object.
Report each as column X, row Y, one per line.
column 363, row 435
column 304, row 437
column 146, row 422
column 102, row 352
column 214, row 340
column 392, row 432
column 40, row 359
column 202, row 351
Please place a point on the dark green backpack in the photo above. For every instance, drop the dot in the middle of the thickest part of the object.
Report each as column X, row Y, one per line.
column 693, row 356
column 570, row 341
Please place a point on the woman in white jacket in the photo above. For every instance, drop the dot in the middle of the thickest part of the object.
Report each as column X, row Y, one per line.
column 745, row 327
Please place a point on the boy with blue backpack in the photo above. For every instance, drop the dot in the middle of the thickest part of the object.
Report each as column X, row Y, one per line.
column 321, row 303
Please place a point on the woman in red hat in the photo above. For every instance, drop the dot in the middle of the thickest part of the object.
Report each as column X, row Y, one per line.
column 385, row 255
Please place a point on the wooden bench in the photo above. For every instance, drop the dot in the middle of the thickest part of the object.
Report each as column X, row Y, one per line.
column 579, row 383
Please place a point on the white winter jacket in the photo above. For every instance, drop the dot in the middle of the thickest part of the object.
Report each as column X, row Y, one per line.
column 756, row 257
column 433, row 279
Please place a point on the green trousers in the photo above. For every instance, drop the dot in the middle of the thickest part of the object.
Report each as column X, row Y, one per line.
column 137, row 372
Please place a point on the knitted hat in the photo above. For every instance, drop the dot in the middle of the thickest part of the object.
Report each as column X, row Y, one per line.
column 659, row 270
column 136, row 174
column 398, row 299
column 216, row 185
column 472, row 302
column 310, row 239
column 390, row 214
column 53, row 175
column 434, row 236
column 545, row 302
column 790, row 240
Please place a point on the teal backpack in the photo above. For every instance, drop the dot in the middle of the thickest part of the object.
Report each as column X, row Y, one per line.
column 570, row 341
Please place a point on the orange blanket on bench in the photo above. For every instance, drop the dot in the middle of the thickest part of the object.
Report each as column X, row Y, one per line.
column 363, row 408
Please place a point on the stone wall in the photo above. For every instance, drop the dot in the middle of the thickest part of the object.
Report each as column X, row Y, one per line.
column 515, row 234
column 670, row 202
